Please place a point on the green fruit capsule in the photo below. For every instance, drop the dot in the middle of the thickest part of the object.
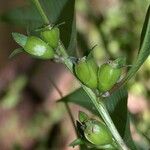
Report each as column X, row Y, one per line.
column 86, row 71
column 34, row 46
column 51, row 36
column 97, row 133
column 108, row 75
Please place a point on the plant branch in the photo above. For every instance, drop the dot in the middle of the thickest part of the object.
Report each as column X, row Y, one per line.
column 99, row 105
column 71, row 117
column 41, row 11
column 66, row 105
column 46, row 21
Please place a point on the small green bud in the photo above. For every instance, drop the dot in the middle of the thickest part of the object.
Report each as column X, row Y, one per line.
column 51, row 36
column 97, row 133
column 86, row 71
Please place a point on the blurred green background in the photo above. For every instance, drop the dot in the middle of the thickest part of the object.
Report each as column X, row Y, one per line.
column 30, row 118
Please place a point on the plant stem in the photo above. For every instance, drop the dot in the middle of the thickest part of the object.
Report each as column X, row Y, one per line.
column 99, row 105
column 71, row 117
column 41, row 11
column 46, row 21
column 66, row 105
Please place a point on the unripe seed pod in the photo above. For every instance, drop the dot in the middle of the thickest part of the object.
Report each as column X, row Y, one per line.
column 97, row 133
column 51, row 36
column 108, row 75
column 38, row 48
column 34, row 46
column 86, row 71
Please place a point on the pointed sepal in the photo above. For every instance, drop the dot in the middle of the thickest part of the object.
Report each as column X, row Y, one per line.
column 82, row 116
column 119, row 62
column 20, row 38
column 16, row 52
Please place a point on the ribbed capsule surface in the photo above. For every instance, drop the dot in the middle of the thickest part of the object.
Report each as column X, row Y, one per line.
column 97, row 133
column 107, row 77
column 51, row 36
column 86, row 71
column 38, row 48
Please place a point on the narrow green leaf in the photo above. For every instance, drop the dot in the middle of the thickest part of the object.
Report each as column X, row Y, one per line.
column 127, row 135
column 16, row 52
column 20, row 39
column 21, row 16
column 53, row 8
column 144, row 49
column 145, row 25
column 79, row 97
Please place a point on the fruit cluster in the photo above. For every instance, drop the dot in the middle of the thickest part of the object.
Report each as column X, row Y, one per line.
column 86, row 69
column 102, row 77
column 42, row 47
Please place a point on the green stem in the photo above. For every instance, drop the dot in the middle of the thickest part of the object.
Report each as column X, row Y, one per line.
column 66, row 105
column 71, row 118
column 41, row 11
column 46, row 21
column 99, row 105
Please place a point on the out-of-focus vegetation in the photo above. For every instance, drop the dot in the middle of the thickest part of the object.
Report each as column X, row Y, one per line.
column 115, row 27
column 29, row 116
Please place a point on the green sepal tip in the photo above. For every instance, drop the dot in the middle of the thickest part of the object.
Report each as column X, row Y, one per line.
column 82, row 116
column 20, row 38
column 119, row 62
